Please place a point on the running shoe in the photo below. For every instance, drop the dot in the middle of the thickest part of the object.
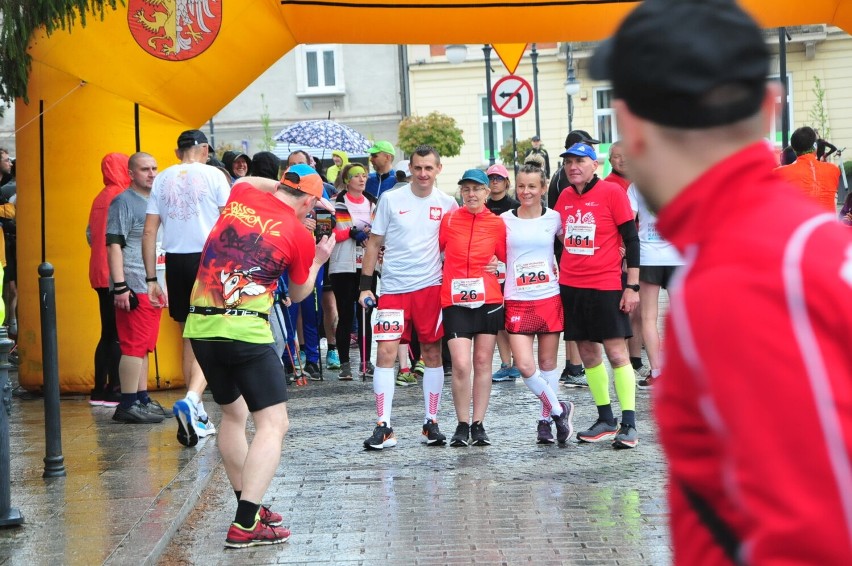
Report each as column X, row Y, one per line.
column 432, row 435
column 270, row 517
column 383, row 437
column 571, row 369
column 155, row 408
column 135, row 414
column 353, row 339
column 461, row 436
column 187, row 416
column 204, row 427
column 545, row 433
column 405, row 379
column 345, row 372
column 96, row 397
column 564, row 422
column 419, row 368
column 505, row 373
column 642, row 372
column 599, row 431
column 574, row 380
column 368, row 372
column 627, row 437
column 448, row 371
column 313, row 371
column 259, row 534
column 113, row 398
column 332, row 359
column 647, row 383
column 478, row 436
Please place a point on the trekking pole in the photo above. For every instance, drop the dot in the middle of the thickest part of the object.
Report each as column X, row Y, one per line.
column 319, row 325
column 368, row 304
column 297, row 363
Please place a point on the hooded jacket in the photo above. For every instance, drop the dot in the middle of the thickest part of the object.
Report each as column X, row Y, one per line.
column 266, row 164
column 228, row 159
column 116, row 179
column 332, row 172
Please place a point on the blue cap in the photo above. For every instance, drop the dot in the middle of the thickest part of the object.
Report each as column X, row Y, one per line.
column 475, row 175
column 580, row 150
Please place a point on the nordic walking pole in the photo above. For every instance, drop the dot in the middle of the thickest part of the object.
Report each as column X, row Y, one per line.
column 300, row 374
column 368, row 304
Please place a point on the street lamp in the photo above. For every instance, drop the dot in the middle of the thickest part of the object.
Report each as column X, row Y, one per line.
column 572, row 85
column 456, row 54
column 534, row 59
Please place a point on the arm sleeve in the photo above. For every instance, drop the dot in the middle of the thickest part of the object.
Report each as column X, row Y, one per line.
column 119, row 220
column 631, row 242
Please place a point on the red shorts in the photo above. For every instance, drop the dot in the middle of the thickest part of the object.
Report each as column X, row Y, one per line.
column 534, row 317
column 138, row 329
column 421, row 311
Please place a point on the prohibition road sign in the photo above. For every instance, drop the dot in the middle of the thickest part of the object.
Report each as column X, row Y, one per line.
column 511, row 96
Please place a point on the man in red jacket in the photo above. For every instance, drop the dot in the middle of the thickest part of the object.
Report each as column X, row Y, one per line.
column 755, row 411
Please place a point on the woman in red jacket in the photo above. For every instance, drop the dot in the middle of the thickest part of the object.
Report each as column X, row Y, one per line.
column 472, row 301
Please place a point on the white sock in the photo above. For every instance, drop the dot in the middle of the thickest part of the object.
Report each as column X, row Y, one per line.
column 202, row 414
column 193, row 397
column 655, row 373
column 433, row 383
column 383, row 387
column 551, row 376
column 541, row 389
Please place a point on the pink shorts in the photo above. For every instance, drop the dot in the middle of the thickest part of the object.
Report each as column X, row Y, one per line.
column 421, row 310
column 540, row 316
column 138, row 329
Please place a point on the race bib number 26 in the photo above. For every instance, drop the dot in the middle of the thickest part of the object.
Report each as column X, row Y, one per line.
column 468, row 293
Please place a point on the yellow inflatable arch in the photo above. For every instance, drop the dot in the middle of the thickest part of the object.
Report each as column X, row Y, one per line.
column 136, row 80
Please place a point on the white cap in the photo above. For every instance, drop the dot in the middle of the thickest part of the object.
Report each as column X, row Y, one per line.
column 403, row 166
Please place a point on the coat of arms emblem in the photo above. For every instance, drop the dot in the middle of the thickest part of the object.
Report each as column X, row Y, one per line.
column 174, row 30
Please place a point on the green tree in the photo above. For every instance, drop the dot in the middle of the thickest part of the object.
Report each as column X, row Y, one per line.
column 819, row 113
column 436, row 129
column 268, row 142
column 18, row 21
column 506, row 152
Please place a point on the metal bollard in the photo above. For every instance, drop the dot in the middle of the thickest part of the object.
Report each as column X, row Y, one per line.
column 9, row 516
column 54, row 465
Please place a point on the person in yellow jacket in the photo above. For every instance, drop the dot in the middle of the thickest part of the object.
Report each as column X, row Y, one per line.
column 340, row 160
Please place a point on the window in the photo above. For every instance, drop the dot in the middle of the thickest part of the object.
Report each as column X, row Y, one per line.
column 776, row 129
column 502, row 128
column 319, row 69
column 606, row 129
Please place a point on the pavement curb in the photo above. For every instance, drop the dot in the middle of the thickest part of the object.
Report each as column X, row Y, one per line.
column 151, row 535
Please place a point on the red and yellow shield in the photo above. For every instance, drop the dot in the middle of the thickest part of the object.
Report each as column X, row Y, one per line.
column 174, row 30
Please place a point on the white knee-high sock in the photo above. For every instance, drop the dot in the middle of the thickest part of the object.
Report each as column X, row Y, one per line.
column 541, row 389
column 433, row 383
column 383, row 387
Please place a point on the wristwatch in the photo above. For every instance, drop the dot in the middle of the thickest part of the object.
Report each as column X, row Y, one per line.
column 634, row 287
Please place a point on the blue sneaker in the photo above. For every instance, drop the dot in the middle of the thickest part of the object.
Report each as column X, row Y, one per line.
column 332, row 360
column 505, row 373
column 187, row 416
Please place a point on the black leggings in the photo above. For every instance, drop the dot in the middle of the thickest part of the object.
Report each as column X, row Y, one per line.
column 107, row 352
column 346, row 293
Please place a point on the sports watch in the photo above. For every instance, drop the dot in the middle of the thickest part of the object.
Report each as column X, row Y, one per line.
column 634, row 287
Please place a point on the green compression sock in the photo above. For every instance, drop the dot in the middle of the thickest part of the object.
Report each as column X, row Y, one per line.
column 625, row 387
column 598, row 384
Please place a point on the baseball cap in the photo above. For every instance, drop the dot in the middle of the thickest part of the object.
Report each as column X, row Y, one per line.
column 579, row 136
column 535, row 138
column 305, row 178
column 669, row 65
column 475, row 175
column 498, row 169
column 405, row 167
column 580, row 150
column 382, row 147
column 191, row 138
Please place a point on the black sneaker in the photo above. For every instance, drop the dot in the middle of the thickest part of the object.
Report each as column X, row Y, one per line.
column 313, row 371
column 155, row 408
column 462, row 435
column 564, row 422
column 432, row 435
column 478, row 436
column 627, row 437
column 382, row 437
column 367, row 372
column 545, row 432
column 136, row 414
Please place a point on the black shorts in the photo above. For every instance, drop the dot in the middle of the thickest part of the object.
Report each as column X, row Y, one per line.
column 234, row 368
column 657, row 274
column 181, row 271
column 592, row 315
column 462, row 322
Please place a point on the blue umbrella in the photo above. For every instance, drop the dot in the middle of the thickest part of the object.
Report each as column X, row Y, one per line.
column 324, row 134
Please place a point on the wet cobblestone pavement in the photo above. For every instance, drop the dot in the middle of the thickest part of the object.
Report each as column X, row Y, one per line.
column 133, row 495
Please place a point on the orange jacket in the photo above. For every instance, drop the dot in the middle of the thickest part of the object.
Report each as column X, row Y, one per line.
column 116, row 180
column 469, row 241
column 817, row 179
